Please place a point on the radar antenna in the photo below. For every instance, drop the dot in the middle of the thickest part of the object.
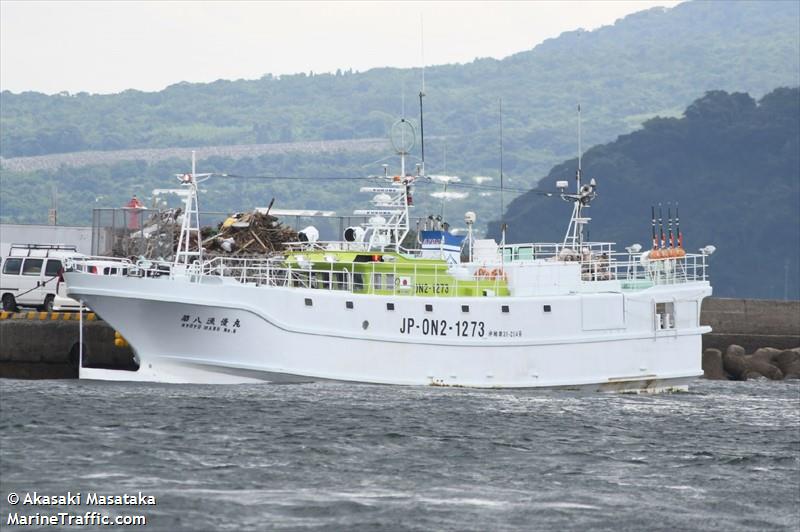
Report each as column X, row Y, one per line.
column 388, row 220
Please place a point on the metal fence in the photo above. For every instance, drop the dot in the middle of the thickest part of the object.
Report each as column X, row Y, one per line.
column 153, row 233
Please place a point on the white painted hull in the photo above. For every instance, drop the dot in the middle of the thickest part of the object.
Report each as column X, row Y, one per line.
column 279, row 338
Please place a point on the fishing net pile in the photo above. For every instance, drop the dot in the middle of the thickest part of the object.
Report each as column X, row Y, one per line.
column 252, row 233
column 156, row 235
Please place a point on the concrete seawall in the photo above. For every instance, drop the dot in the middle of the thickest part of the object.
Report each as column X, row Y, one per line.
column 45, row 345
column 751, row 323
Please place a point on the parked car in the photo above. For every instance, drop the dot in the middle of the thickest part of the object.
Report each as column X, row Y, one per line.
column 31, row 276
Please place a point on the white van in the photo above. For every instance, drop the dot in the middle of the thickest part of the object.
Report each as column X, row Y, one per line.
column 31, row 277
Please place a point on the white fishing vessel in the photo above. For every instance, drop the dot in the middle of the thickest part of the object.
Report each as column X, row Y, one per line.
column 567, row 314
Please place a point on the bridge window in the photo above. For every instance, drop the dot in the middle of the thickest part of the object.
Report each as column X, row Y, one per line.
column 428, row 308
column 348, row 304
column 547, row 308
column 376, row 281
column 505, row 309
column 665, row 316
column 389, row 306
column 309, row 302
column 464, row 308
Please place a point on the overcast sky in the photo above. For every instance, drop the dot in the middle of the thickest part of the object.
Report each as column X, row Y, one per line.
column 106, row 47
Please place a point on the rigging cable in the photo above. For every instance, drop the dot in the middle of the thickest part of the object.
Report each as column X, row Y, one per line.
column 363, row 178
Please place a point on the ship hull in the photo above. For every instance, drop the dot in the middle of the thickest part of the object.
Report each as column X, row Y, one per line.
column 226, row 332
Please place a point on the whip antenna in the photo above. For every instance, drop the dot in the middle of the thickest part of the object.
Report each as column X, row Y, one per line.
column 655, row 238
column 422, row 47
column 421, row 94
column 502, row 198
column 580, row 150
column 580, row 145
column 669, row 217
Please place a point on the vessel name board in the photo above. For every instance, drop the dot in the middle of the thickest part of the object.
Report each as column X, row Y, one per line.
column 210, row 323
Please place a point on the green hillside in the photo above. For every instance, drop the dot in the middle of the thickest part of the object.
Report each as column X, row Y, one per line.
column 652, row 62
column 732, row 165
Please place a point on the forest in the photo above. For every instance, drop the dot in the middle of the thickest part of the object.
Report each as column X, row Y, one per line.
column 732, row 166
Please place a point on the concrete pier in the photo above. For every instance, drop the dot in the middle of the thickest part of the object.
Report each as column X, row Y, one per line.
column 41, row 345
column 45, row 345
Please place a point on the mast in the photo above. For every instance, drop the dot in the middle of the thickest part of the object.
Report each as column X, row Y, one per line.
column 190, row 227
column 583, row 196
column 580, row 145
column 579, row 207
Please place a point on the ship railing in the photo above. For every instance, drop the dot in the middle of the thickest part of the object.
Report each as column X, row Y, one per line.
column 403, row 279
column 342, row 245
column 634, row 272
column 600, row 262
column 123, row 266
column 326, row 246
column 93, row 263
column 406, row 279
column 555, row 250
column 357, row 277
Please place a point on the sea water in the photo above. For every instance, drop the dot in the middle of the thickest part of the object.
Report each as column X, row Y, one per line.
column 724, row 456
